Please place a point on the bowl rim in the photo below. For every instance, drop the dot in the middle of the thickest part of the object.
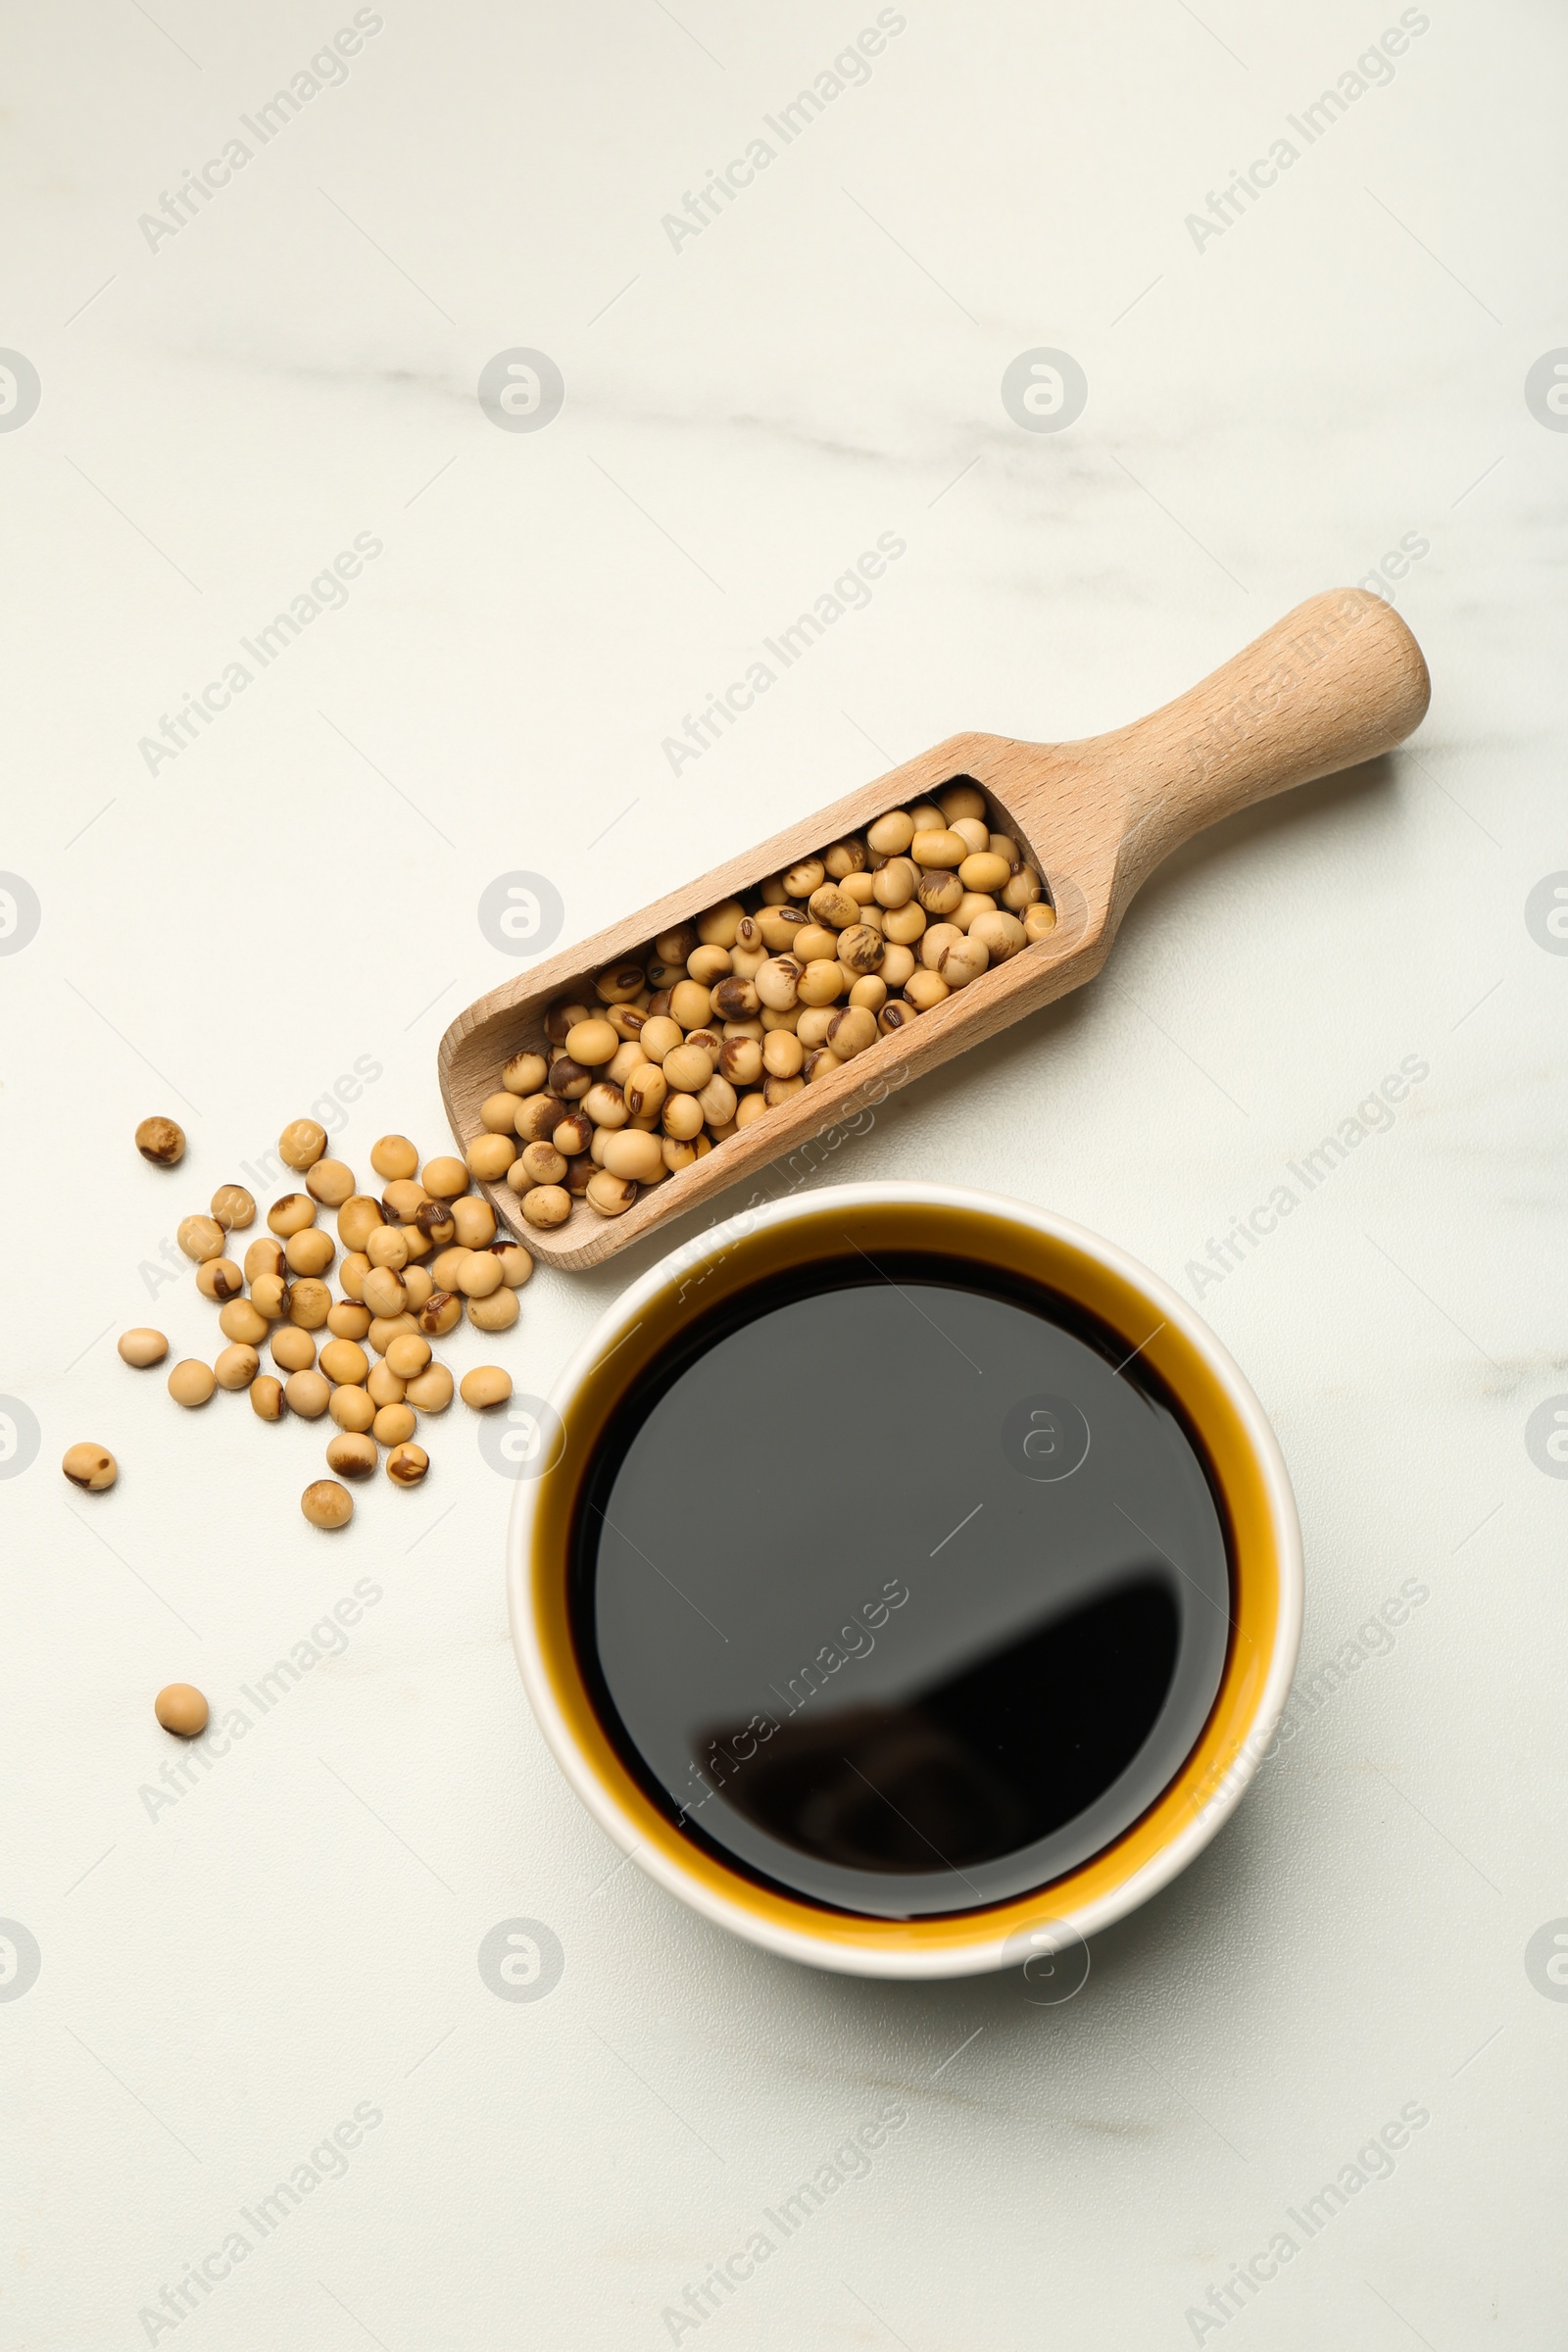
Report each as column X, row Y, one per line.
column 825, row 1939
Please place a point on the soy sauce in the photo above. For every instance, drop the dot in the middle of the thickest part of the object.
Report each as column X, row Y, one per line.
column 898, row 1586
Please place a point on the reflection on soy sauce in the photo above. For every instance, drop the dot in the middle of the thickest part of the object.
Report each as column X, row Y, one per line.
column 975, row 1765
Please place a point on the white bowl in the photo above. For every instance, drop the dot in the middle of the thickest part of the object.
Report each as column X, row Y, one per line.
column 1177, row 1346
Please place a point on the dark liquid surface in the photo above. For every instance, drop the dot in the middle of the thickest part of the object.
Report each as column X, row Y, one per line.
column 894, row 1591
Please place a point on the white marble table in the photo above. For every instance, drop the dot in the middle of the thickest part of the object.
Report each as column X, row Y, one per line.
column 281, row 369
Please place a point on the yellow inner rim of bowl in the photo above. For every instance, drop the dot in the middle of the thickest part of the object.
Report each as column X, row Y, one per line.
column 1118, row 1303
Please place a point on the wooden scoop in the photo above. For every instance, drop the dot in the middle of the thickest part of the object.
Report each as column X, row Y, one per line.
column 1335, row 682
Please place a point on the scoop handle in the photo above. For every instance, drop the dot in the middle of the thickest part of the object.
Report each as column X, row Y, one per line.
column 1337, row 681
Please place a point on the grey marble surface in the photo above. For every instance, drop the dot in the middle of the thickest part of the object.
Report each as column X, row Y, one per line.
column 236, row 390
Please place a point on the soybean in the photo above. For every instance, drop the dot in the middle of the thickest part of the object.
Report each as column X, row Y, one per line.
column 264, row 1257
column 385, row 1329
column 434, row 1219
column 388, row 1246
column 444, row 1179
column 925, row 990
column 611, row 1194
column 499, row 1311
column 478, row 1275
column 199, row 1238
column 301, row 1144
column 310, row 1303
column 327, row 1504
column 292, row 1349
column 352, row 1408
column 270, row 1298
column 310, row 1251
column 191, row 1382
column 999, row 933
column 591, row 1042
column 344, row 1361
column 431, row 1390
column 408, row 1355
column 384, row 1386
column 384, row 1293
column 358, row 1219
column 490, row 1156
column 233, row 1207
column 394, row 1156
column 91, row 1467
column 308, row 1394
column 620, row 983
column 474, row 1222
column 547, row 1205
column 142, row 1347
column 182, row 1709
column 497, row 1113
column 635, row 1155
column 162, row 1141
column 330, row 1182
column 351, row 1454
